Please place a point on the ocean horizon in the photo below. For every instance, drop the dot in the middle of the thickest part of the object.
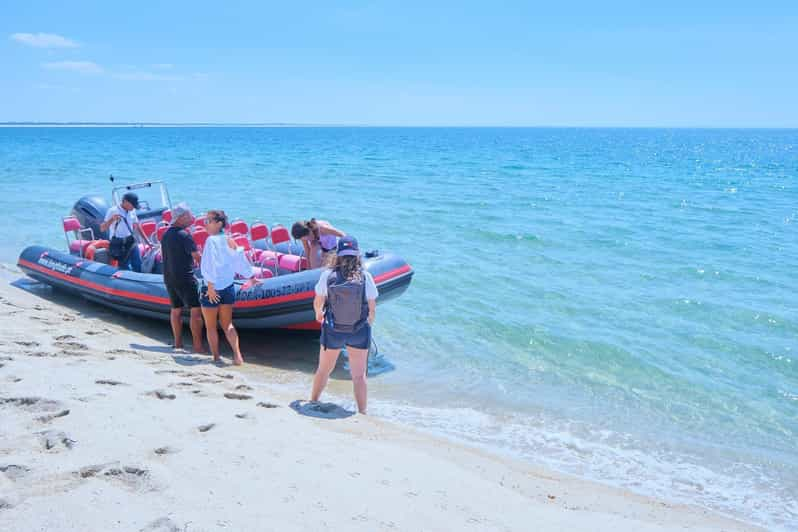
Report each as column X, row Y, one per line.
column 617, row 303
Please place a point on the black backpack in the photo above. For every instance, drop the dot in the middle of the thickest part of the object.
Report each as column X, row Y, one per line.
column 347, row 309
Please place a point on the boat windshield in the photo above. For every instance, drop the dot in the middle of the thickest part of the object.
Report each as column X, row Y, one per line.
column 153, row 196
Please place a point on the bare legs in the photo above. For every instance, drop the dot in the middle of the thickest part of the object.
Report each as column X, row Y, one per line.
column 226, row 317
column 224, row 314
column 357, row 368
column 176, row 319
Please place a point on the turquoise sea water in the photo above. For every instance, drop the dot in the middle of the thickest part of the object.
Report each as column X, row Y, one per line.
column 619, row 304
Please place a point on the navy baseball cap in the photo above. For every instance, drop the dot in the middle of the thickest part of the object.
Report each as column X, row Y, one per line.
column 133, row 198
column 347, row 245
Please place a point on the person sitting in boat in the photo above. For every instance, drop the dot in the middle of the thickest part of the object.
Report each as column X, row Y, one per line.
column 345, row 305
column 179, row 253
column 120, row 222
column 221, row 261
column 319, row 239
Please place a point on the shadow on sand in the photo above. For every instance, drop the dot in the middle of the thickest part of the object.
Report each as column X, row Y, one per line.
column 274, row 348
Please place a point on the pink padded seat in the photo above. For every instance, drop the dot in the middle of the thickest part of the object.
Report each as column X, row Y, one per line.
column 166, row 216
column 262, row 273
column 78, row 247
column 291, row 263
column 258, row 231
column 71, row 224
column 199, row 221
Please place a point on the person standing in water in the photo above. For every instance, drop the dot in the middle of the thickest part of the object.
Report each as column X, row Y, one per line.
column 345, row 305
column 219, row 266
column 319, row 239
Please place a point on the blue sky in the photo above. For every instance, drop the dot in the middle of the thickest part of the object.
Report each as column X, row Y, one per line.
column 573, row 63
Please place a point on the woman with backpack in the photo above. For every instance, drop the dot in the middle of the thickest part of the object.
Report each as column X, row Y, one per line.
column 345, row 304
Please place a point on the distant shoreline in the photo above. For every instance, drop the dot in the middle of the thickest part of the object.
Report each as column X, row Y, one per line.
column 296, row 125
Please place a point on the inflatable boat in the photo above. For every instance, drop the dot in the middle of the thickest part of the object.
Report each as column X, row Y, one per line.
column 283, row 297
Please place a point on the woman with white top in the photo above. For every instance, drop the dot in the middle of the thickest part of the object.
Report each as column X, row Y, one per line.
column 219, row 266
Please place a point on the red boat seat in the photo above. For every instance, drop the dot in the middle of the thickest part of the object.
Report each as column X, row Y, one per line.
column 258, row 231
column 239, row 227
column 161, row 230
column 200, row 236
column 166, row 216
column 199, row 221
column 148, row 227
column 243, row 241
column 280, row 234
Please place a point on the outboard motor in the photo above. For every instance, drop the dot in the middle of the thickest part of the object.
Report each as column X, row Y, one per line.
column 90, row 212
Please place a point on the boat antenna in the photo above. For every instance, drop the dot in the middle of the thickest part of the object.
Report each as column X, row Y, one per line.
column 111, row 177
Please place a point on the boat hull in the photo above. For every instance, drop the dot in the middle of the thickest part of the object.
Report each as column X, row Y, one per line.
column 284, row 301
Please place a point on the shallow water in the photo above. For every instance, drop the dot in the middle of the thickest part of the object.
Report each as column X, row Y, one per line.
column 615, row 303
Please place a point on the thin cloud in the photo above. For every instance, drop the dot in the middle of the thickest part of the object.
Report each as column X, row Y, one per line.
column 83, row 67
column 163, row 66
column 44, row 40
column 146, row 76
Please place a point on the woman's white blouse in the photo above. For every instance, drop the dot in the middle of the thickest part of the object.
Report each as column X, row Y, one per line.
column 220, row 264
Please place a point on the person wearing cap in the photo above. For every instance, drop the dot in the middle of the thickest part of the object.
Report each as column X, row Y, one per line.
column 345, row 305
column 179, row 253
column 120, row 222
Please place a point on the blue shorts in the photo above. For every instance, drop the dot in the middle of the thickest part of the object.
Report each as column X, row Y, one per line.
column 226, row 297
column 360, row 339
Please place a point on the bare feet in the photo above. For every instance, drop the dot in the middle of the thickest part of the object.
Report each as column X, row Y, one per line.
column 237, row 361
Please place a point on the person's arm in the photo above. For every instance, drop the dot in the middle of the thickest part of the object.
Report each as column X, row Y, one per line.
column 372, row 310
column 110, row 217
column 318, row 306
column 196, row 256
column 371, row 296
column 329, row 229
column 321, row 296
column 306, row 245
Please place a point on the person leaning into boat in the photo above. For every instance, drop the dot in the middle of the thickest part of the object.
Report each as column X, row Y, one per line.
column 120, row 222
column 179, row 253
column 221, row 261
column 345, row 305
column 318, row 238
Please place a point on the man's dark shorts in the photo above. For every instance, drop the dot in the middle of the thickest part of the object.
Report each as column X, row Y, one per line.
column 360, row 339
column 183, row 293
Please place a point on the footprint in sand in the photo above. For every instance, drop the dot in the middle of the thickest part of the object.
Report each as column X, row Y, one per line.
column 160, row 394
column 244, row 388
column 13, row 378
column 71, row 345
column 238, row 396
column 14, row 471
column 120, row 351
column 166, row 450
column 34, row 404
column 206, row 428
column 56, row 440
column 28, row 343
column 164, row 524
column 243, row 415
column 48, row 418
column 110, row 382
column 5, row 505
column 65, row 337
column 268, row 405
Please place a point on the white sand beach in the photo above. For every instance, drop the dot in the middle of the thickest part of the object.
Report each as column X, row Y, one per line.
column 101, row 432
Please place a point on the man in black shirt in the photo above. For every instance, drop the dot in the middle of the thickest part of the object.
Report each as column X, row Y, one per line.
column 179, row 253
